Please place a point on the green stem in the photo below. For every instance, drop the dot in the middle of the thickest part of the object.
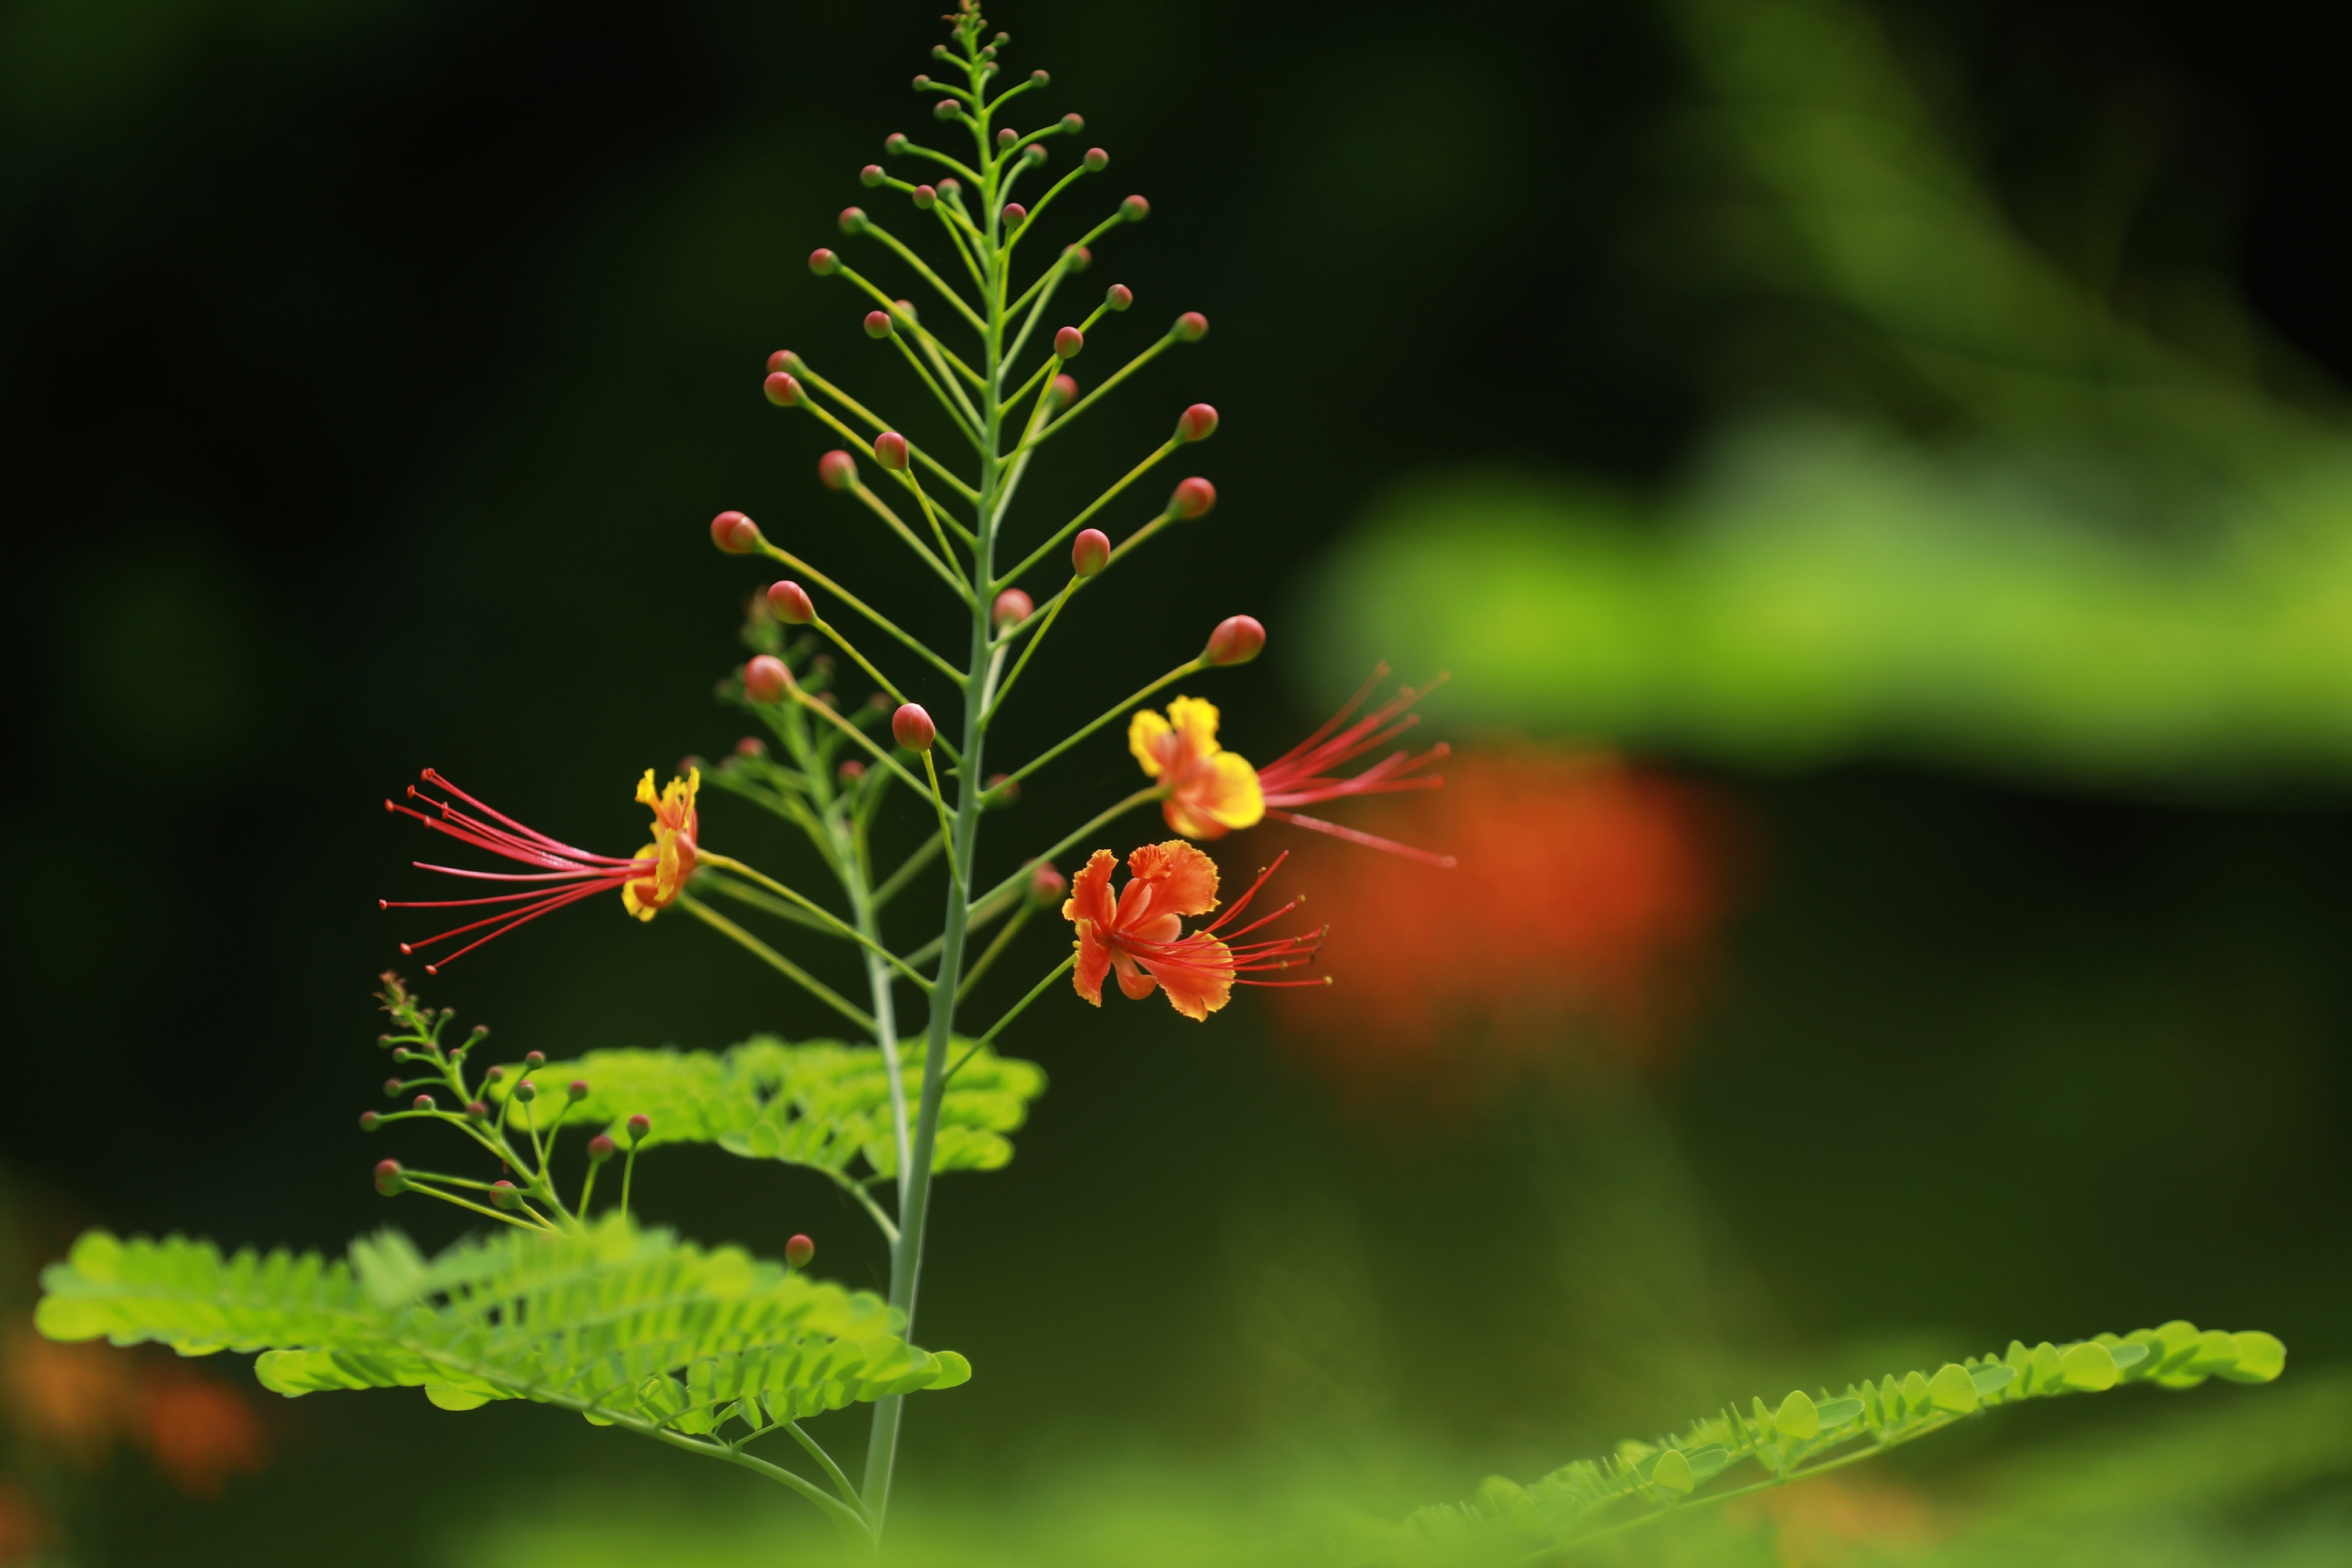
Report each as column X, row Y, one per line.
column 961, row 836
column 854, row 603
column 1013, row 1012
column 776, row 961
column 986, row 903
column 1039, row 761
column 831, row 922
column 1079, row 522
column 878, row 422
column 994, row 949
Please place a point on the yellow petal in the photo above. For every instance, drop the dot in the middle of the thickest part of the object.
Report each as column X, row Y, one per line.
column 1142, row 730
column 1236, row 800
column 1198, row 721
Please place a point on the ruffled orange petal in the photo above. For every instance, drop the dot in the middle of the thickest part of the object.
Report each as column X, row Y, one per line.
column 1197, row 974
column 1094, row 963
column 1182, row 880
column 1091, row 897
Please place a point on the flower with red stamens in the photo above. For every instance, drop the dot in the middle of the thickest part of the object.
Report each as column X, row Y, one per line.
column 648, row 881
column 1140, row 932
column 1211, row 791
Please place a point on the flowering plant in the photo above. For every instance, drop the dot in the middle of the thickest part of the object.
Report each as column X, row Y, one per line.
column 569, row 1302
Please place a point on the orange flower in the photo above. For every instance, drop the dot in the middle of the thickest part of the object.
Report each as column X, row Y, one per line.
column 648, row 881
column 1138, row 935
column 1212, row 792
column 201, row 1431
column 1586, row 907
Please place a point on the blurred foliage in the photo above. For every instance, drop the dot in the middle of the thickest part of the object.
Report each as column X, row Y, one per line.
column 2014, row 528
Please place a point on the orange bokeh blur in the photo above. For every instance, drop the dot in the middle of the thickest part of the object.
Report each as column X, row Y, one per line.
column 78, row 1401
column 1583, row 907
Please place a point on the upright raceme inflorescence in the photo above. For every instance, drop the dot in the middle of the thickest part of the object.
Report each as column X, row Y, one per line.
column 871, row 734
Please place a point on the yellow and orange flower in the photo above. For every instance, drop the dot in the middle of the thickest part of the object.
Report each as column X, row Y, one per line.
column 1138, row 935
column 676, row 827
column 1211, row 791
column 648, row 881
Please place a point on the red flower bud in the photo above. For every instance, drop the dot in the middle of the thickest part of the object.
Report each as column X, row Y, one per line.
column 477, row 1109
column 946, row 109
column 1119, row 296
column 1074, row 123
column 1039, row 78
column 852, row 219
column 789, row 603
column 923, row 82
column 639, row 1125
column 1134, row 209
column 392, row 1086
column 877, row 324
column 1069, row 341
column 1197, row 423
column 1063, row 391
column 1006, row 137
column 1045, row 884
column 526, row 1091
column 534, row 1058
column 503, row 1194
column 577, row 1088
column 1237, row 640
column 890, row 450
column 850, row 771
column 600, row 1149
column 494, row 1075
column 950, row 184
column 1003, row 789
column 896, row 143
column 1096, row 160
column 1076, row 258
column 836, row 469
column 912, row 728
column 799, row 1250
column 870, row 176
column 765, row 677
column 422, row 1102
column 1015, row 214
column 824, row 262
column 903, row 308
column 734, row 533
column 1189, row 328
column 1091, row 551
column 785, row 359
column 388, row 1180
column 750, row 746
column 925, row 198
column 782, row 389
column 1193, row 499
column 368, row 1120
column 1013, row 606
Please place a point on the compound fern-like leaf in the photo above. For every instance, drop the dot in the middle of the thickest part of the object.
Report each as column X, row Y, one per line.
column 629, row 1327
column 821, row 1103
column 1804, row 1434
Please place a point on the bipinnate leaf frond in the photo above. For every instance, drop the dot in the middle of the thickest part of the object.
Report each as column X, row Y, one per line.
column 629, row 1327
column 1802, row 1435
column 820, row 1103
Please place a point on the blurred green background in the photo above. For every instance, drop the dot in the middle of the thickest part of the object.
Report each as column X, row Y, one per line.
column 1916, row 430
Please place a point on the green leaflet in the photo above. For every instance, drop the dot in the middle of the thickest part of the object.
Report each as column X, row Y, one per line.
column 1507, row 1522
column 821, row 1104
column 628, row 1326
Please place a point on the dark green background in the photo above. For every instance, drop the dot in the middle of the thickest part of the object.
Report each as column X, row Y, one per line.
column 368, row 372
